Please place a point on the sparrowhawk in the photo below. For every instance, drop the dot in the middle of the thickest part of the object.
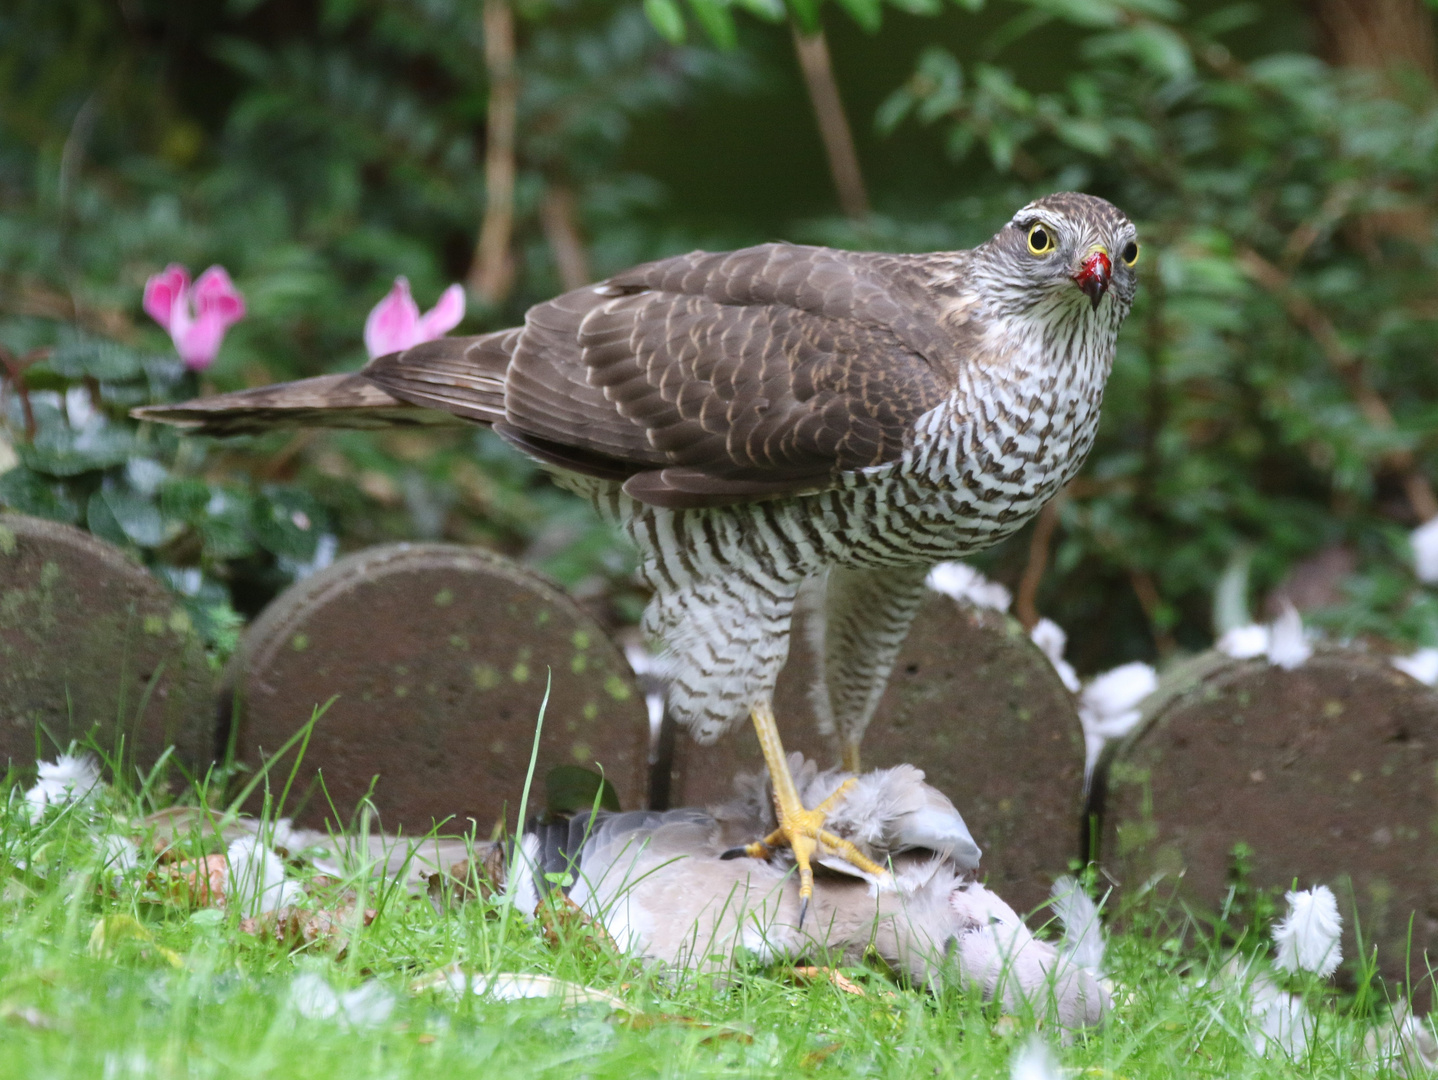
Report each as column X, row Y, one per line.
column 758, row 418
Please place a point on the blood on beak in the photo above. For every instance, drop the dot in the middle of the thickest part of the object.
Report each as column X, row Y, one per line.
column 1093, row 276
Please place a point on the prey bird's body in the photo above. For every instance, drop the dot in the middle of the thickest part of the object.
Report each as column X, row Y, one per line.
column 760, row 418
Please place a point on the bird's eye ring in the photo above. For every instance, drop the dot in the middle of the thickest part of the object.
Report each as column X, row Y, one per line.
column 1041, row 241
column 1129, row 254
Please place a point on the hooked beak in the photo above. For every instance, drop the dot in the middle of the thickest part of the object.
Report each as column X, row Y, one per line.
column 1093, row 277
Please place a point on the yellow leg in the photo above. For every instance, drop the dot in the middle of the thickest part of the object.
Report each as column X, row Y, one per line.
column 849, row 760
column 800, row 829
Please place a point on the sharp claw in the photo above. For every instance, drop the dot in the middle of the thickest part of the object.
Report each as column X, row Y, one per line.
column 803, row 910
column 759, row 850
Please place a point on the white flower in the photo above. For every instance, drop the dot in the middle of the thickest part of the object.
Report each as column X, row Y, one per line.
column 1244, row 642
column 70, row 778
column 1034, row 1061
column 1051, row 640
column 963, row 582
column 256, row 882
column 1288, row 645
column 1422, row 665
column 1425, row 551
column 368, row 1005
column 1109, row 706
column 1308, row 937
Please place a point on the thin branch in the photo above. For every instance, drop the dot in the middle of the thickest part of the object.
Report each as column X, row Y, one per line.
column 22, row 296
column 1149, row 599
column 1026, row 604
column 1349, row 367
column 15, row 372
column 491, row 273
column 558, row 217
column 818, row 69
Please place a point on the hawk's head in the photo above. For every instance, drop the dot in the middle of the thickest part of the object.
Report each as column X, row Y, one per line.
column 1070, row 248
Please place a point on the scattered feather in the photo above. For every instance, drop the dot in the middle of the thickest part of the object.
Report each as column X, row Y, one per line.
column 1284, row 1022
column 369, row 1005
column 964, row 583
column 1078, row 915
column 69, row 778
column 1404, row 1044
column 1308, row 937
column 1424, row 541
column 119, row 856
column 516, row 986
column 1051, row 640
column 1109, row 707
column 650, row 673
column 1421, row 665
column 1034, row 1061
column 1245, row 642
column 256, row 880
column 1288, row 644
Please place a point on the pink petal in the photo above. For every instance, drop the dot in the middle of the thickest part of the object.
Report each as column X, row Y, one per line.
column 165, row 290
column 199, row 343
column 216, row 293
column 393, row 322
column 444, row 316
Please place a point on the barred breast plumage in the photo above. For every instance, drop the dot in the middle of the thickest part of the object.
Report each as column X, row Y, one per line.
column 760, row 418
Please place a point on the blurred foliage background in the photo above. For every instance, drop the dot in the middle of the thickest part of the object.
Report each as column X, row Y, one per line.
column 1270, row 431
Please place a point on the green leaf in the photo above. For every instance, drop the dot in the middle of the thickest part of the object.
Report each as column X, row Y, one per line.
column 869, row 14
column 60, row 451
column 768, row 10
column 1158, row 48
column 30, row 493
column 184, row 499
column 806, row 14
column 918, row 7
column 225, row 526
column 570, row 789
column 667, row 19
column 288, row 522
column 894, row 110
column 136, row 516
column 101, row 521
column 104, row 361
column 718, row 22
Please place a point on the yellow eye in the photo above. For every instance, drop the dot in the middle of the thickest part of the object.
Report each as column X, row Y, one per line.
column 1041, row 241
column 1129, row 254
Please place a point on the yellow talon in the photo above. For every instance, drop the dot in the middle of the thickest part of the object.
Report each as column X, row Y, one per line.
column 799, row 829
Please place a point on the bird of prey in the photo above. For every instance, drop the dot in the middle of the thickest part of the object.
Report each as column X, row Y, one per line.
column 761, row 418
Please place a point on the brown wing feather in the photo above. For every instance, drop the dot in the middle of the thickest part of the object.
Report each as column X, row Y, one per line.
column 707, row 379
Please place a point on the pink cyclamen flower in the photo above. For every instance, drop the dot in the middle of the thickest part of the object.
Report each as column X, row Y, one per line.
column 197, row 317
column 395, row 322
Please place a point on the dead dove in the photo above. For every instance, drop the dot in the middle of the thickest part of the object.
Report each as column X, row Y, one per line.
column 662, row 889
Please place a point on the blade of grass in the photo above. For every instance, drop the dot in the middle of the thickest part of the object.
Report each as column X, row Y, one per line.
column 518, row 849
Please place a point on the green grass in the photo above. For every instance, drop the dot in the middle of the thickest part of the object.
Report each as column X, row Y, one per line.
column 183, row 992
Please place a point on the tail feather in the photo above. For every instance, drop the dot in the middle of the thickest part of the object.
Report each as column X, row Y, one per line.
column 335, row 401
column 441, row 383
